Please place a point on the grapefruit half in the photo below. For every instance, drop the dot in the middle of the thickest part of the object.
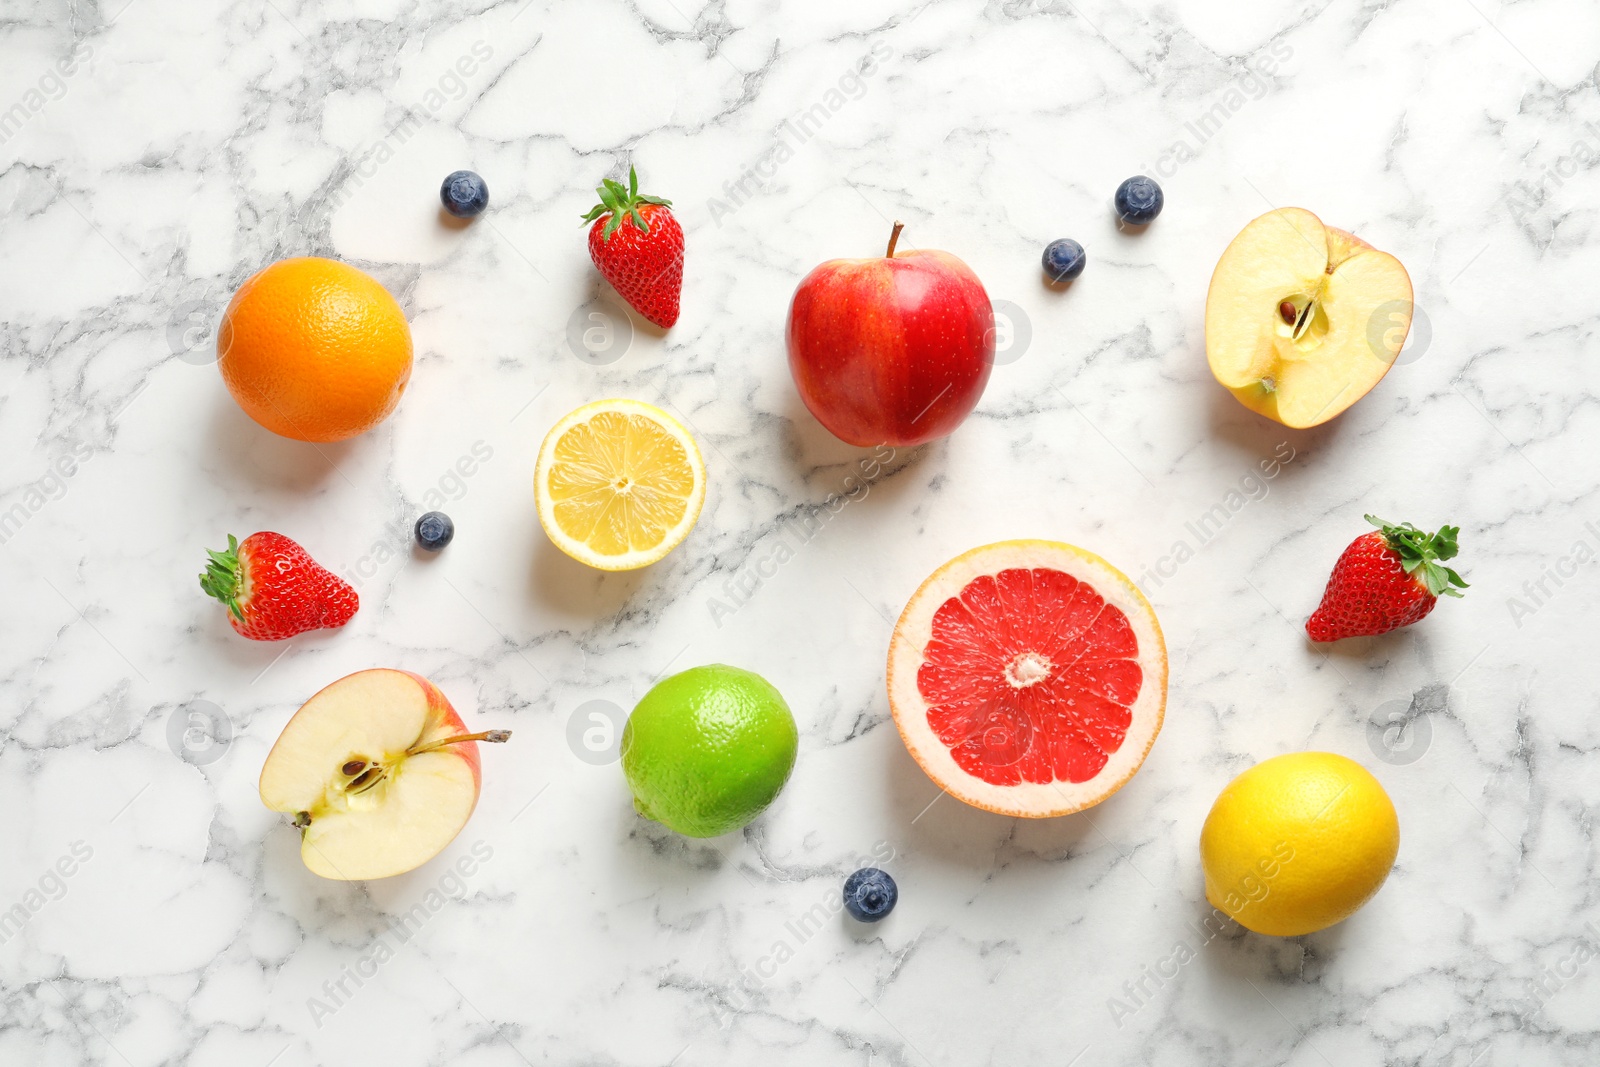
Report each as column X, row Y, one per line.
column 1028, row 678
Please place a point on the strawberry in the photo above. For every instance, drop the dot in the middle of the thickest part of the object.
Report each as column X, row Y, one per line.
column 638, row 246
column 1386, row 579
column 274, row 590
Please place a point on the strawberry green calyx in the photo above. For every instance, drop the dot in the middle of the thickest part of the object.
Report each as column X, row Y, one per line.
column 224, row 577
column 622, row 203
column 1422, row 554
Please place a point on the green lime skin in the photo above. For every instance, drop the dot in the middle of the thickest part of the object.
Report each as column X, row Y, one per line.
column 708, row 749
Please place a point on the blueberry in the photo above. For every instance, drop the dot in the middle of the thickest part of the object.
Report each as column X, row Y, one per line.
column 870, row 894
column 464, row 194
column 1138, row 200
column 434, row 530
column 1064, row 259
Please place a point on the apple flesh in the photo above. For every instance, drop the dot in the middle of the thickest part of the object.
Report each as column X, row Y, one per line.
column 379, row 773
column 1302, row 319
column 893, row 350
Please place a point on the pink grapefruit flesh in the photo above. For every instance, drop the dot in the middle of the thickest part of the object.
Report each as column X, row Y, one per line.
column 1028, row 678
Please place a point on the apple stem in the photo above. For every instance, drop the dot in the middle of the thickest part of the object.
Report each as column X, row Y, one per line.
column 893, row 237
column 495, row 736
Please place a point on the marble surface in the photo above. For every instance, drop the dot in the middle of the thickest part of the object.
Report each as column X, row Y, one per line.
column 157, row 153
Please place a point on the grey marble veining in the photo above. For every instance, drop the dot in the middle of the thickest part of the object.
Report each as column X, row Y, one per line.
column 154, row 154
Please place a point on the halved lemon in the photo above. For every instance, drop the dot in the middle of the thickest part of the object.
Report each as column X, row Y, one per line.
column 619, row 484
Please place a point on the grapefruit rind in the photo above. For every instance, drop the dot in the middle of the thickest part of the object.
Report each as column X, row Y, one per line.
column 914, row 630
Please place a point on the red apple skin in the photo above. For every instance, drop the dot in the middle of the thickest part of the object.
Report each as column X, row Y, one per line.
column 443, row 721
column 891, row 350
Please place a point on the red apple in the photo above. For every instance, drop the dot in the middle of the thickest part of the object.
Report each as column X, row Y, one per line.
column 891, row 350
column 379, row 772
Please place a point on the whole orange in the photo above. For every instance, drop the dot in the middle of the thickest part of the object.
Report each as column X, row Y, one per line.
column 314, row 349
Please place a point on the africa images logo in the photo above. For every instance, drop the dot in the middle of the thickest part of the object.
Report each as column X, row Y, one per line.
column 1253, row 888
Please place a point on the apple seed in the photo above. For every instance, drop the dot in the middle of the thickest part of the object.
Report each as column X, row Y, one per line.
column 367, row 779
column 354, row 767
column 1304, row 321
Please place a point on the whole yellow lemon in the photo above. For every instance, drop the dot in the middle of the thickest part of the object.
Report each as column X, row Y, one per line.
column 1297, row 843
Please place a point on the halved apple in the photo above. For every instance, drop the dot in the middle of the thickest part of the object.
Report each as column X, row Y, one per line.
column 1303, row 319
column 379, row 772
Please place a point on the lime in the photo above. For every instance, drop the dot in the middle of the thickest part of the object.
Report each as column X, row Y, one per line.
column 708, row 749
column 1298, row 843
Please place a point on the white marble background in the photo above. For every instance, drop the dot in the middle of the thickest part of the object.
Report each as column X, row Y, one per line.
column 193, row 143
